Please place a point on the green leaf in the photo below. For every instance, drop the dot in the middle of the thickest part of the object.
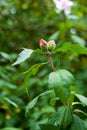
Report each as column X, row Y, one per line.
column 77, row 123
column 79, row 40
column 25, row 54
column 34, row 101
column 71, row 98
column 32, row 71
column 53, row 101
column 82, row 99
column 5, row 99
column 67, row 116
column 61, row 78
column 48, row 127
column 61, row 81
column 38, row 51
column 54, row 36
column 5, row 55
column 79, row 111
column 62, row 117
column 63, row 93
column 10, row 128
column 76, row 48
column 77, row 103
column 57, row 117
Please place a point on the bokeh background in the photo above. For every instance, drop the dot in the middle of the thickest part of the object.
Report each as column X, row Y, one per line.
column 22, row 24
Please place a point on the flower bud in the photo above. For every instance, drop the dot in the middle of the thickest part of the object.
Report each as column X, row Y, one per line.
column 43, row 45
column 51, row 45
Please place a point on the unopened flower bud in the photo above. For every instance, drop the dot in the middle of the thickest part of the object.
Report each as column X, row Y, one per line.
column 51, row 45
column 43, row 45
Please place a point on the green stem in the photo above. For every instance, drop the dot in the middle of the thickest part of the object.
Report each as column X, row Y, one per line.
column 51, row 61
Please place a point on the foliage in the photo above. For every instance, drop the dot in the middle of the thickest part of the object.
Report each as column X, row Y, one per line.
column 59, row 82
column 23, row 24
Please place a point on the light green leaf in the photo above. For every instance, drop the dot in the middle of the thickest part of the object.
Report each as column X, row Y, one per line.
column 61, row 81
column 34, row 101
column 5, row 99
column 53, row 101
column 32, row 71
column 54, row 36
column 71, row 98
column 11, row 102
column 77, row 103
column 79, row 111
column 61, row 78
column 82, row 99
column 25, row 54
column 79, row 40
column 48, row 127
column 10, row 128
column 76, row 48
column 77, row 123
column 5, row 55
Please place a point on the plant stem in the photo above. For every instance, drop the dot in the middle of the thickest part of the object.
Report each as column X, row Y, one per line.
column 51, row 61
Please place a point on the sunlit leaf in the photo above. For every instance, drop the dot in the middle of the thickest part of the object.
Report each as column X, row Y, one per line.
column 5, row 99
column 80, row 111
column 10, row 128
column 77, row 103
column 82, row 99
column 25, row 54
column 79, row 40
column 76, row 48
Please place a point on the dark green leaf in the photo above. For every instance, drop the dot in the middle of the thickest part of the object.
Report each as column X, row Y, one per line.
column 48, row 127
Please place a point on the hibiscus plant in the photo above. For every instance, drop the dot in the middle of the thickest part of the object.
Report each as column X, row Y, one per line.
column 62, row 84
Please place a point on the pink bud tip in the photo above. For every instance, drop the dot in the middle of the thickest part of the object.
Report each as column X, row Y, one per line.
column 43, row 42
column 52, row 43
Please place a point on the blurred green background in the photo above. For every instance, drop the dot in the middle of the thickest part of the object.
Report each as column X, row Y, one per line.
column 22, row 24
